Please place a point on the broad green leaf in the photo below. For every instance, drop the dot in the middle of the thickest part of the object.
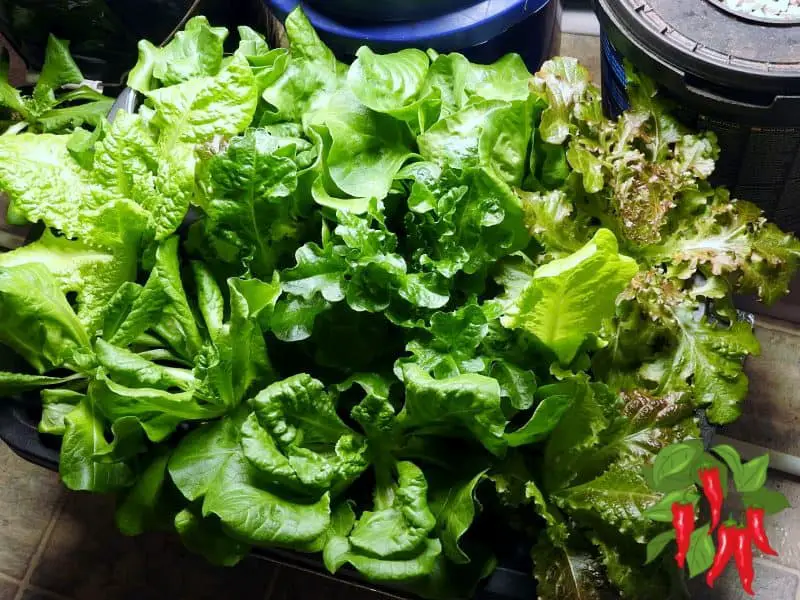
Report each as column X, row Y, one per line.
column 34, row 167
column 390, row 544
column 732, row 459
column 130, row 369
column 83, row 439
column 711, row 356
column 662, row 510
column 491, row 133
column 38, row 322
column 311, row 75
column 162, row 306
column 128, row 161
column 192, row 53
column 544, row 419
column 92, row 273
column 248, row 199
column 771, row 501
column 589, row 166
column 470, row 403
column 518, row 385
column 454, row 503
column 576, row 434
column 204, row 536
column 402, row 526
column 57, row 404
column 130, row 438
column 753, row 475
column 619, row 497
column 200, row 108
column 507, row 79
column 252, row 514
column 304, row 471
column 675, row 460
column 159, row 411
column 140, row 504
column 701, row 551
column 58, row 69
column 392, row 570
column 552, row 219
column 568, row 299
column 366, row 149
column 388, row 83
column 658, row 544
column 298, row 409
column 203, row 454
column 16, row 383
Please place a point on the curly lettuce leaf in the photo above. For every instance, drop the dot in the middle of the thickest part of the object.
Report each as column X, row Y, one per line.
column 311, row 74
column 710, row 356
column 391, row 543
column 298, row 441
column 466, row 403
column 194, row 52
column 200, row 108
column 248, row 198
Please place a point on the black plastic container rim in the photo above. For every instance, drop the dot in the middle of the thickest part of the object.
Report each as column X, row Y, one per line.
column 754, row 105
column 630, row 23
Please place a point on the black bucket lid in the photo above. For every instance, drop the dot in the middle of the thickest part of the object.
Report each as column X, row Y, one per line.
column 707, row 39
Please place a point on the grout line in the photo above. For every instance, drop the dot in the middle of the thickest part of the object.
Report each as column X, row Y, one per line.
column 776, row 565
column 273, row 582
column 777, row 324
column 8, row 578
column 34, row 562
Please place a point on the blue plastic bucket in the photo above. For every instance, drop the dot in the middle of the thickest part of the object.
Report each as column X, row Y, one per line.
column 389, row 10
column 484, row 32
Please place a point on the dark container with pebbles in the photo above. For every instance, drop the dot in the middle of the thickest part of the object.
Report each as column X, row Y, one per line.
column 731, row 66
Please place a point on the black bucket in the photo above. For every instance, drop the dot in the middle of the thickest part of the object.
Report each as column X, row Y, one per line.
column 735, row 75
column 103, row 33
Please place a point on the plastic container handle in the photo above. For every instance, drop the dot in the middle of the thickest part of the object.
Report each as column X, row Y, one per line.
column 737, row 104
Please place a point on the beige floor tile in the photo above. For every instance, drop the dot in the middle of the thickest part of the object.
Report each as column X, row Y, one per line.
column 771, row 583
column 586, row 48
column 28, row 496
column 7, row 590
column 87, row 559
column 772, row 410
column 784, row 529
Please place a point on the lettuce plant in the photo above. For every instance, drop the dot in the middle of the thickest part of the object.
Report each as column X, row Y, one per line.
column 423, row 309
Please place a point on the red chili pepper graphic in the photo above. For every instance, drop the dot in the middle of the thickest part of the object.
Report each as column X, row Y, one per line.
column 712, row 488
column 755, row 525
column 683, row 522
column 744, row 557
column 725, row 549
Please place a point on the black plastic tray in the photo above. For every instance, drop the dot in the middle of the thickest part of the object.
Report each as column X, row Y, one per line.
column 18, row 429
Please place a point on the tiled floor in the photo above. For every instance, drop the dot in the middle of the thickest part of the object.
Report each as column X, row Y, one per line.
column 56, row 545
